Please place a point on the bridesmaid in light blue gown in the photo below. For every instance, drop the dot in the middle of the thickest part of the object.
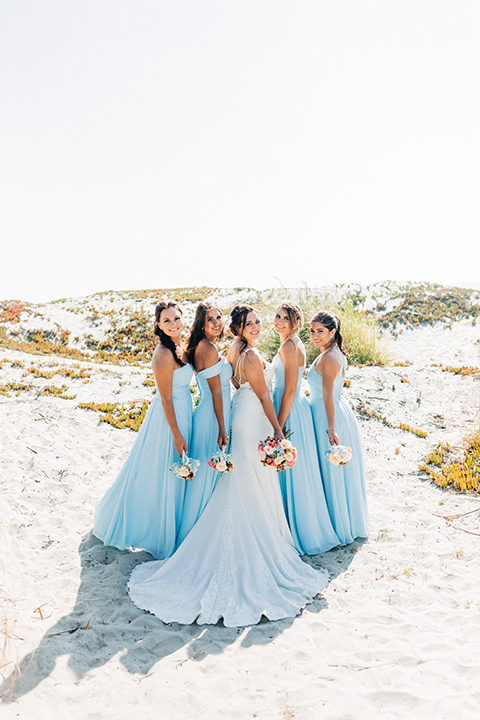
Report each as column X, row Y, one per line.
column 238, row 562
column 302, row 487
column 335, row 424
column 143, row 506
column 211, row 421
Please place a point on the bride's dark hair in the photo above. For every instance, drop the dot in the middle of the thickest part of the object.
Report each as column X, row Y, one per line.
column 197, row 331
column 331, row 322
column 164, row 338
column 238, row 318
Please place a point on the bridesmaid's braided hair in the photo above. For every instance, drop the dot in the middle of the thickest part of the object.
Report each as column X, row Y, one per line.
column 294, row 313
column 331, row 322
column 238, row 318
column 164, row 338
column 197, row 331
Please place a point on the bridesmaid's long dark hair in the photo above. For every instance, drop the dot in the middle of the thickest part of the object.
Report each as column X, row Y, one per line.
column 164, row 338
column 197, row 331
column 238, row 318
column 331, row 322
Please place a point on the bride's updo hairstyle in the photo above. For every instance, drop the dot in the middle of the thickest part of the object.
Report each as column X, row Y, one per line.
column 294, row 314
column 331, row 322
column 164, row 338
column 238, row 318
column 197, row 331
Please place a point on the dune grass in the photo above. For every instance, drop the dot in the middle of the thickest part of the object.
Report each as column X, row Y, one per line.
column 359, row 330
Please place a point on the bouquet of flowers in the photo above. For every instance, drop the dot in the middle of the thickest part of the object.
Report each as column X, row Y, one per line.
column 186, row 468
column 339, row 454
column 221, row 461
column 277, row 453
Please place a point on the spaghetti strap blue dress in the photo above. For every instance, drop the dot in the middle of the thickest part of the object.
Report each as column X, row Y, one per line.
column 142, row 508
column 204, row 442
column 344, row 484
column 302, row 488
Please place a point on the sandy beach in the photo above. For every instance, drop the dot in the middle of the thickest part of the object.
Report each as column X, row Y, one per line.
column 394, row 635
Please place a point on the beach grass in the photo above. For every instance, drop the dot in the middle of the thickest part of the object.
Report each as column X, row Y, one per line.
column 360, row 330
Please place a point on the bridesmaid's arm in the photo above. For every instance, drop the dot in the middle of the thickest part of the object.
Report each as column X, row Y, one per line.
column 329, row 367
column 254, row 372
column 206, row 355
column 163, row 367
column 215, row 386
column 288, row 354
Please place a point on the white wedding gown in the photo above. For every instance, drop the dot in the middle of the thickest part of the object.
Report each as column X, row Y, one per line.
column 238, row 562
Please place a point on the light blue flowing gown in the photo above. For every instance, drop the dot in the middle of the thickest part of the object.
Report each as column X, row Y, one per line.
column 204, row 442
column 344, row 484
column 238, row 562
column 302, row 487
column 142, row 508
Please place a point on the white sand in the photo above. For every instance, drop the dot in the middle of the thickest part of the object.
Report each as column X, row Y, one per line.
column 395, row 634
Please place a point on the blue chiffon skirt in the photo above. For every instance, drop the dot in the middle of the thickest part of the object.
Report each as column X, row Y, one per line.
column 344, row 484
column 143, row 506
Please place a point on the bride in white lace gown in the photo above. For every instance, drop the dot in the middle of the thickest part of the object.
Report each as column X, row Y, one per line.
column 238, row 562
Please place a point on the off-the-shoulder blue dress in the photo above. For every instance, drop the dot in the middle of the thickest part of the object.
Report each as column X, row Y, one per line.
column 204, row 442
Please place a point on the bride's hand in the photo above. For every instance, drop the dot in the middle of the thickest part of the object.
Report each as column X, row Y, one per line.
column 278, row 433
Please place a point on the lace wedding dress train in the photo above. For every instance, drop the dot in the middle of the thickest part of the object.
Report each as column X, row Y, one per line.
column 238, row 562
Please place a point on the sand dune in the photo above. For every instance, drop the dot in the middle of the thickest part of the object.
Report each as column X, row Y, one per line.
column 394, row 635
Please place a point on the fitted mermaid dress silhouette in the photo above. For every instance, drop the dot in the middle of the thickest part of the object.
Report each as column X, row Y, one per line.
column 238, row 562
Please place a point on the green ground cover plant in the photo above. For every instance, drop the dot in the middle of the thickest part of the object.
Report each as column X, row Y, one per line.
column 462, row 370
column 429, row 303
column 120, row 416
column 55, row 391
column 455, row 468
column 16, row 388
column 365, row 412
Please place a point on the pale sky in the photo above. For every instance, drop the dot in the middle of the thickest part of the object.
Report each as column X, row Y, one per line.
column 164, row 143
